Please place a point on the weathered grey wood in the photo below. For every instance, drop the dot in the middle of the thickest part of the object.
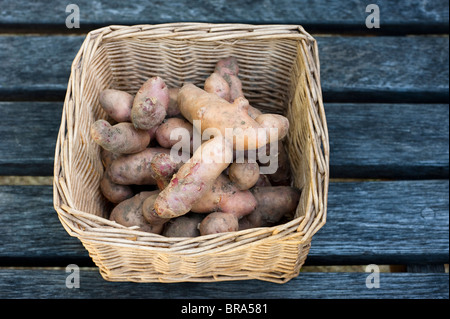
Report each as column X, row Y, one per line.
column 46, row 283
column 366, row 140
column 28, row 137
column 368, row 222
column 362, row 69
column 396, row 17
column 35, row 67
column 425, row 268
column 388, row 140
column 385, row 69
column 31, row 233
column 385, row 223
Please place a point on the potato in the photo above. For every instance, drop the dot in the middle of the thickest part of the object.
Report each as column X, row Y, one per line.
column 218, row 222
column 183, row 226
column 179, row 128
column 135, row 168
column 115, row 193
column 107, row 157
column 148, row 211
column 194, row 178
column 129, row 213
column 172, row 108
column 274, row 123
column 273, row 203
column 227, row 66
column 283, row 174
column 219, row 115
column 121, row 138
column 164, row 168
column 150, row 104
column 228, row 69
column 262, row 181
column 224, row 196
column 244, row 175
column 117, row 104
column 217, row 85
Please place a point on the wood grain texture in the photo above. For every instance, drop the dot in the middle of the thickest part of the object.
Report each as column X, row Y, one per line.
column 366, row 140
column 359, row 69
column 385, row 69
column 326, row 16
column 397, row 222
column 31, row 233
column 46, row 283
column 368, row 222
column 29, row 132
column 388, row 140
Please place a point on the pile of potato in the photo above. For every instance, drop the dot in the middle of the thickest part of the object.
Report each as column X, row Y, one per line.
column 202, row 194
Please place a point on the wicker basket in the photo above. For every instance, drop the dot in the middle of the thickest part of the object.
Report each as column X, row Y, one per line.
column 279, row 69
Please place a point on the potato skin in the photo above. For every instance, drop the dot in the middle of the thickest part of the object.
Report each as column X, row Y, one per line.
column 227, row 65
column 121, row 138
column 172, row 107
column 150, row 104
column 273, row 203
column 275, row 122
column 164, row 168
column 244, row 175
column 113, row 192
column 194, row 178
column 164, row 130
column 135, row 169
column 216, row 84
column 183, row 226
column 218, row 114
column 228, row 70
column 225, row 197
column 117, row 104
column 262, row 181
column 282, row 176
column 218, row 222
column 148, row 211
column 129, row 213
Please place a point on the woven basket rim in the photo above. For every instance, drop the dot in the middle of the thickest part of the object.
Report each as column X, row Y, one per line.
column 82, row 224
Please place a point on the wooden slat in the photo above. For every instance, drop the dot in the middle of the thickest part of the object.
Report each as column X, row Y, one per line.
column 50, row 284
column 366, row 140
column 31, row 233
column 28, row 137
column 36, row 67
column 384, row 222
column 385, row 69
column 403, row 16
column 388, row 140
column 368, row 222
column 382, row 69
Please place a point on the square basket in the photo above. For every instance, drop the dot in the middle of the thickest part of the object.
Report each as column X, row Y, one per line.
column 279, row 69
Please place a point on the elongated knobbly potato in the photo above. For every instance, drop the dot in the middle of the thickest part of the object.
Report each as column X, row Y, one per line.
column 229, row 119
column 194, row 178
column 135, row 169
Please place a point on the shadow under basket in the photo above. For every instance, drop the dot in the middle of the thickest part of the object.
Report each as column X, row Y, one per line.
column 280, row 73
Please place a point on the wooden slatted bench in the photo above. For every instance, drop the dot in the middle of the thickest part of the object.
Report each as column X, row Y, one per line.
column 386, row 94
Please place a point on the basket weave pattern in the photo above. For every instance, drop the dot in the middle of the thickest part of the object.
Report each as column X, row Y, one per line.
column 279, row 70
